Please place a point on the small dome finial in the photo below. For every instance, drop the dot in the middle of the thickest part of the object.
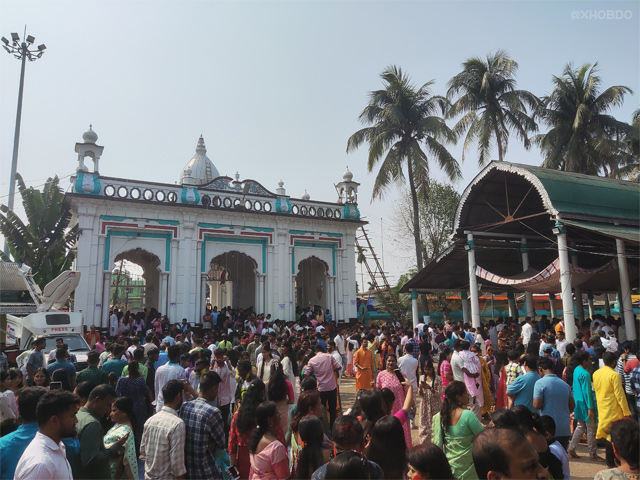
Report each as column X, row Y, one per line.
column 347, row 176
column 90, row 136
column 305, row 196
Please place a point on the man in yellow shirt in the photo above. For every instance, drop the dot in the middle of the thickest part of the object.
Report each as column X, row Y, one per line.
column 611, row 400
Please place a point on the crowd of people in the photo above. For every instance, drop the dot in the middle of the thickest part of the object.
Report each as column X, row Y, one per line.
column 241, row 395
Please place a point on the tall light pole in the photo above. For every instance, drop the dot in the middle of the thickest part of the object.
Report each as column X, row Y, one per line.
column 20, row 50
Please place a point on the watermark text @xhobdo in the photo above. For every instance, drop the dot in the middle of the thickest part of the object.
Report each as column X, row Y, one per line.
column 601, row 15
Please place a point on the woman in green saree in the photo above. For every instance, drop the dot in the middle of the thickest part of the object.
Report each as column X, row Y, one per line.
column 454, row 429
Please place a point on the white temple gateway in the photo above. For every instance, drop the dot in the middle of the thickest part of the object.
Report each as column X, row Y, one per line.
column 212, row 238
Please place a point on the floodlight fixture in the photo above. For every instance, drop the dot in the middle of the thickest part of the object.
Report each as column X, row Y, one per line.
column 21, row 52
column 556, row 230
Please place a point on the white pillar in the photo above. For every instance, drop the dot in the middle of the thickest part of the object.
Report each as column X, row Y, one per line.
column 464, row 300
column 513, row 305
column 163, row 301
column 260, row 287
column 552, row 305
column 565, row 284
column 106, row 299
column 414, row 308
column 577, row 290
column 473, row 282
column 531, row 309
column 590, row 302
column 626, row 308
column 203, row 295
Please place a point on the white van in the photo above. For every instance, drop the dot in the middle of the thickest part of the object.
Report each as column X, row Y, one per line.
column 48, row 321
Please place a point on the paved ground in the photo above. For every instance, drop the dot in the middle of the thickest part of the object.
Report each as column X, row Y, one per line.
column 581, row 468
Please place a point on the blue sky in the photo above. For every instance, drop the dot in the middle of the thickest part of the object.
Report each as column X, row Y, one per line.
column 275, row 87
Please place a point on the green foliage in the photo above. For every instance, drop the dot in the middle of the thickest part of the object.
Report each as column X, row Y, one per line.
column 583, row 136
column 405, row 130
column 437, row 213
column 485, row 95
column 46, row 242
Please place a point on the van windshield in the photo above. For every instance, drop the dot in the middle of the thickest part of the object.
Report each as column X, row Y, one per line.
column 76, row 343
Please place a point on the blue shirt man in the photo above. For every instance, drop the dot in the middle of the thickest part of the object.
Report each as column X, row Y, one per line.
column 521, row 389
column 553, row 397
column 163, row 359
column 66, row 366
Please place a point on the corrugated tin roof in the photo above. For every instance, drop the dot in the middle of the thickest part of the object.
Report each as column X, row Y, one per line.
column 588, row 195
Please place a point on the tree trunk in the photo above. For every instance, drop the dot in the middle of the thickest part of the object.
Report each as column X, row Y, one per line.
column 499, row 142
column 416, row 231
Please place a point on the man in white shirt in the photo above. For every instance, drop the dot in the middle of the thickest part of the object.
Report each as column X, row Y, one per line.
column 457, row 363
column 45, row 457
column 341, row 347
column 222, row 366
column 408, row 365
column 165, row 373
column 527, row 329
column 561, row 343
column 113, row 324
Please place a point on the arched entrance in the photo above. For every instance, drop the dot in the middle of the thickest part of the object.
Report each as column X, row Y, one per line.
column 135, row 280
column 312, row 283
column 232, row 280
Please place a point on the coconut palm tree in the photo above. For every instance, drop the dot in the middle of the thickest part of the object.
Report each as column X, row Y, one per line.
column 485, row 94
column 583, row 136
column 405, row 131
column 46, row 242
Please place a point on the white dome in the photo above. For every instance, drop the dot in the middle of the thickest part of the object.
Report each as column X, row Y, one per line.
column 347, row 176
column 200, row 170
column 90, row 136
column 306, row 196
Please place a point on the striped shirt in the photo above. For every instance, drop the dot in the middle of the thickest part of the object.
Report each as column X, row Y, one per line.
column 162, row 445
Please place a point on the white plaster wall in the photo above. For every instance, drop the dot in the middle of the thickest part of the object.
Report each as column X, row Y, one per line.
column 182, row 284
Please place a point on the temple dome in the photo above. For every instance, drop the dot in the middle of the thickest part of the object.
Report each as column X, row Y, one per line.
column 202, row 170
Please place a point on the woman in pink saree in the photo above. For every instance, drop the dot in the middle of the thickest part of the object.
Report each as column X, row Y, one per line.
column 268, row 456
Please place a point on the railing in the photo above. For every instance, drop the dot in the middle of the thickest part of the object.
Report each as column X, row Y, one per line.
column 218, row 199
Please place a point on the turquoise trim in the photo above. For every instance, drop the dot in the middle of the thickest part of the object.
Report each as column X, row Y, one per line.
column 214, row 225
column 118, row 233
column 463, row 295
column 78, row 186
column 332, row 246
column 302, row 232
column 258, row 229
column 253, row 241
column 472, row 245
column 185, row 192
column 524, row 248
column 350, row 211
column 122, row 219
column 283, row 202
column 414, row 295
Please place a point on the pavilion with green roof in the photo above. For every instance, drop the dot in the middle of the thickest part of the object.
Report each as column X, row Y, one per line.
column 525, row 228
